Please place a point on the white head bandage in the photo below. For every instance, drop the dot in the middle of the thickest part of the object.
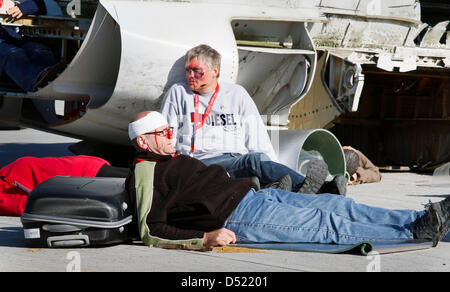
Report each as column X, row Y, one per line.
column 147, row 124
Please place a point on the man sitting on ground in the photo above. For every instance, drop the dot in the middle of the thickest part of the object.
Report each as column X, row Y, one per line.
column 220, row 124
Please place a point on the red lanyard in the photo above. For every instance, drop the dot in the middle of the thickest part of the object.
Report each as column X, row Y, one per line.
column 197, row 123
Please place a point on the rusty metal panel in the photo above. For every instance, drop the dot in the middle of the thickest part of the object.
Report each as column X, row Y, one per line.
column 316, row 109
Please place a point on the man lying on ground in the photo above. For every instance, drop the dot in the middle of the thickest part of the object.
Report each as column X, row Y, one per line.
column 360, row 168
column 180, row 200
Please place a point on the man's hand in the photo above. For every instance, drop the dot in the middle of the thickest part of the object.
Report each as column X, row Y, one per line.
column 15, row 12
column 219, row 237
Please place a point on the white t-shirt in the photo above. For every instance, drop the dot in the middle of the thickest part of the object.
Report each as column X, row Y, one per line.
column 234, row 124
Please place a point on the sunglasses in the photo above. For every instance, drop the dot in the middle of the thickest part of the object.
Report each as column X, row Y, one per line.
column 195, row 72
column 166, row 132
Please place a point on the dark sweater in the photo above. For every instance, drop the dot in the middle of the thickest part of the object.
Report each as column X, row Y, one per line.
column 189, row 198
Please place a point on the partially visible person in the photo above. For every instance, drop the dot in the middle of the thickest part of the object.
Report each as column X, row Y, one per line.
column 29, row 64
column 20, row 177
column 360, row 168
column 212, row 119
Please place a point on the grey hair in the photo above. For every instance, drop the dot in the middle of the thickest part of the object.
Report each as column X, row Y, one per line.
column 206, row 54
column 351, row 161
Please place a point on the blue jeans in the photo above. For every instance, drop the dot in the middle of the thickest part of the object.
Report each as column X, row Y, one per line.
column 255, row 164
column 24, row 62
column 273, row 215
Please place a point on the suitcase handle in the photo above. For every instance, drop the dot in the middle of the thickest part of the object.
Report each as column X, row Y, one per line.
column 61, row 228
column 68, row 240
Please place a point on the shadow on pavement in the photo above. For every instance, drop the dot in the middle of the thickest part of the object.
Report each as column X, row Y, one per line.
column 12, row 237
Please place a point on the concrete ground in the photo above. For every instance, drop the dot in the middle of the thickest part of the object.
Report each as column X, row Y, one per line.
column 397, row 190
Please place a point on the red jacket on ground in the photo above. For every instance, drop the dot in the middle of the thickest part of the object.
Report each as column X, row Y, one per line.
column 27, row 172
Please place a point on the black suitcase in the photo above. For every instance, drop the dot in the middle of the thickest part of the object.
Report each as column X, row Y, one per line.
column 77, row 212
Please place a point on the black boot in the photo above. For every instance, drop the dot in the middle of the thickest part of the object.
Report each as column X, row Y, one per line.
column 337, row 186
column 283, row 183
column 435, row 223
column 316, row 174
